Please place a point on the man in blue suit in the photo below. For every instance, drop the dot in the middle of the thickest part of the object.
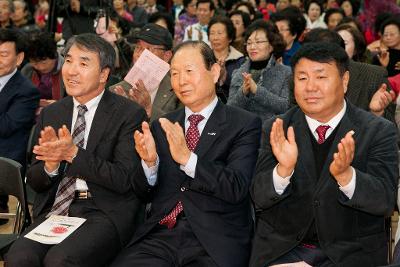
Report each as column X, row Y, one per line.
column 19, row 99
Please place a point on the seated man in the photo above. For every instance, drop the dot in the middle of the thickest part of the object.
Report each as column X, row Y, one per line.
column 328, row 175
column 163, row 100
column 85, row 172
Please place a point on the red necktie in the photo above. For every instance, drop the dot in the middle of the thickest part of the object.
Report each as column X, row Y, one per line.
column 321, row 131
column 192, row 139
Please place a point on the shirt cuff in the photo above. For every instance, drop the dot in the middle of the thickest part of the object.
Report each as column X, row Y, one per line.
column 53, row 173
column 190, row 167
column 151, row 172
column 280, row 183
column 349, row 189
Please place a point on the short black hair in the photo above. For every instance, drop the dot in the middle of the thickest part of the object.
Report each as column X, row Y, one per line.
column 296, row 21
column 13, row 36
column 323, row 35
column 245, row 17
column 249, row 6
column 271, row 31
column 329, row 12
column 211, row 2
column 186, row 3
column 41, row 46
column 318, row 2
column 205, row 51
column 230, row 29
column 166, row 17
column 323, row 52
column 355, row 4
column 392, row 20
column 94, row 43
column 379, row 19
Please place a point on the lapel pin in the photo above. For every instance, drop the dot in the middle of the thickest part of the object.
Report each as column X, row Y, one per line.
column 211, row 133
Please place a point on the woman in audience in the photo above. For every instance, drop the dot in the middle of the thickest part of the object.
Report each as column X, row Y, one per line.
column 221, row 33
column 350, row 7
column 261, row 84
column 354, row 42
column 241, row 21
column 333, row 17
column 291, row 24
column 164, row 20
column 389, row 55
column 314, row 10
column 186, row 19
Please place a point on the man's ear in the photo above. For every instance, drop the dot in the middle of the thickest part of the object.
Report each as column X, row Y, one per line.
column 104, row 75
column 345, row 80
column 215, row 70
column 20, row 58
column 167, row 56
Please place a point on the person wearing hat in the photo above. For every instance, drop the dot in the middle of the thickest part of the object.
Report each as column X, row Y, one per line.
column 158, row 41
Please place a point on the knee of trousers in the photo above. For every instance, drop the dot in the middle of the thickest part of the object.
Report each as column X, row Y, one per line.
column 58, row 257
column 19, row 258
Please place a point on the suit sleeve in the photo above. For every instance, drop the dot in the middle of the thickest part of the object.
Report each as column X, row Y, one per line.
column 229, row 178
column 21, row 111
column 376, row 186
column 112, row 170
column 262, row 189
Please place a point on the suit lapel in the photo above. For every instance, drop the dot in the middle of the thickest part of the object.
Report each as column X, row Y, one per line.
column 67, row 112
column 346, row 124
column 100, row 121
column 353, row 90
column 212, row 130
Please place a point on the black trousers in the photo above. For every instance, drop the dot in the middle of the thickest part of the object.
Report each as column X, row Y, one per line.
column 95, row 243
column 165, row 247
column 313, row 255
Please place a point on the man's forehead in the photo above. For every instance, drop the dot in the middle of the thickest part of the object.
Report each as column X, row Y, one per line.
column 308, row 65
column 81, row 51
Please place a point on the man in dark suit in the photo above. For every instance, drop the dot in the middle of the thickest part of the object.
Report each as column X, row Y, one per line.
column 18, row 101
column 322, row 190
column 162, row 100
column 93, row 166
column 200, row 213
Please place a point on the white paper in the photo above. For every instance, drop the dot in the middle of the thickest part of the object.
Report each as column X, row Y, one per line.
column 55, row 229
column 150, row 69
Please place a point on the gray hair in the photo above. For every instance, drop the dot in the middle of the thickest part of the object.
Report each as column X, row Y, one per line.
column 94, row 43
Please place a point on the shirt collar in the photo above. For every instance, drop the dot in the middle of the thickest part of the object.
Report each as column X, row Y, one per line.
column 333, row 123
column 4, row 79
column 206, row 112
column 92, row 103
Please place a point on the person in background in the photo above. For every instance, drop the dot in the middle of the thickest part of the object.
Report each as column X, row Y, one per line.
column 221, row 33
column 241, row 20
column 291, row 25
column 6, row 9
column 333, row 17
column 354, row 42
column 44, row 68
column 187, row 18
column 314, row 10
column 152, row 7
column 198, row 31
column 176, row 9
column 139, row 14
column 156, row 101
column 122, row 11
column 261, row 84
column 19, row 99
column 164, row 20
column 350, row 7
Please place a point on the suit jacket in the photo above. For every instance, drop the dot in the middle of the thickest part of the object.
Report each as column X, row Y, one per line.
column 216, row 201
column 165, row 100
column 351, row 231
column 107, row 163
column 19, row 99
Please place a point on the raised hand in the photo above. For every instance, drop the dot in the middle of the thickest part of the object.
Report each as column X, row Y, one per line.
column 145, row 145
column 285, row 150
column 249, row 85
column 380, row 100
column 176, row 140
column 340, row 167
column 141, row 95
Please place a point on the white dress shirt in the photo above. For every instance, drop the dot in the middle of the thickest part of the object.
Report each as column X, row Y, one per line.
column 89, row 115
column 280, row 183
column 190, row 167
column 4, row 79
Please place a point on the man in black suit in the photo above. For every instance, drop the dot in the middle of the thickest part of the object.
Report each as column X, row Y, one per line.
column 19, row 99
column 200, row 213
column 322, row 190
column 95, row 163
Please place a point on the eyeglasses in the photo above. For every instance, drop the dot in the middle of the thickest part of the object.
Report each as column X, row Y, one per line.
column 256, row 43
column 139, row 48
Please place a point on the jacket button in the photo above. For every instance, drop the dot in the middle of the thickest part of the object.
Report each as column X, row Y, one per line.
column 183, row 188
column 316, row 203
